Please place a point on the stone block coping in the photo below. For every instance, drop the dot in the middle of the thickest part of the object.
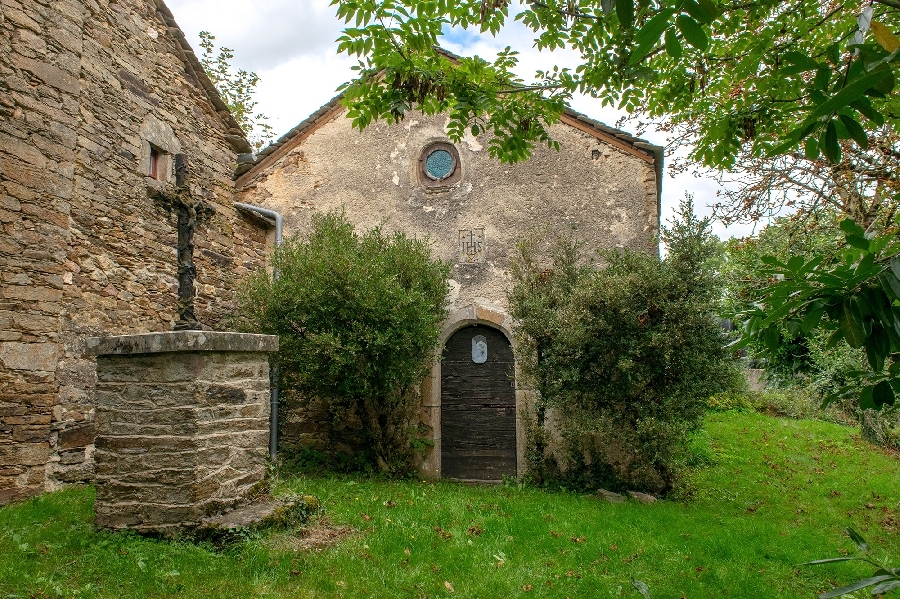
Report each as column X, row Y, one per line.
column 181, row 341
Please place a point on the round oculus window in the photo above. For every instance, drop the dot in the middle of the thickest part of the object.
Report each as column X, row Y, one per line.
column 439, row 165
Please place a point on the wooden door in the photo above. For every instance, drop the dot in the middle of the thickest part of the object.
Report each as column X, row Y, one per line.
column 478, row 406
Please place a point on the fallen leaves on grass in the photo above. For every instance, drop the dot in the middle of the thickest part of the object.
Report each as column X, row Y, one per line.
column 444, row 534
column 449, row 586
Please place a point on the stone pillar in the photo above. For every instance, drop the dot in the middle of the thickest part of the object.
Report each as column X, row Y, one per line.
column 182, row 426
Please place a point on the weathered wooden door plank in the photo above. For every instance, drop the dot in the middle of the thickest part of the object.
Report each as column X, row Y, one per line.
column 478, row 407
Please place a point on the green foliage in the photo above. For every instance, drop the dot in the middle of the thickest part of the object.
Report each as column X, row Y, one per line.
column 237, row 90
column 882, row 581
column 625, row 355
column 358, row 317
column 763, row 76
column 853, row 296
column 745, row 274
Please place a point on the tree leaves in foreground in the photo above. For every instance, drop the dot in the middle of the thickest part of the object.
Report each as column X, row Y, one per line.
column 883, row 579
column 855, row 296
column 358, row 318
column 766, row 76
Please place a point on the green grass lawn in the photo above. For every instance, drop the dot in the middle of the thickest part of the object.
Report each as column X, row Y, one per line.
column 777, row 493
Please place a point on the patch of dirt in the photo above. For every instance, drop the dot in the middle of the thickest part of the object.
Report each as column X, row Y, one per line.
column 316, row 536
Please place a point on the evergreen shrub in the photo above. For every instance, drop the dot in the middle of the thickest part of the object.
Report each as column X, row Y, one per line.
column 624, row 357
column 358, row 317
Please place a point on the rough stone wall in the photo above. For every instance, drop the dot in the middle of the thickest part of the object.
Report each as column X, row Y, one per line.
column 181, row 436
column 606, row 194
column 86, row 86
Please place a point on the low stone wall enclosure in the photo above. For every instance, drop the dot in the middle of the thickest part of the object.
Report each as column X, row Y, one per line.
column 183, row 426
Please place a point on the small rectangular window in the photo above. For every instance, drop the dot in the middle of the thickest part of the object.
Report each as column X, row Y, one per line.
column 154, row 163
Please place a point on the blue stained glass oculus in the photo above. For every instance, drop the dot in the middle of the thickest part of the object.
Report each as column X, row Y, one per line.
column 439, row 164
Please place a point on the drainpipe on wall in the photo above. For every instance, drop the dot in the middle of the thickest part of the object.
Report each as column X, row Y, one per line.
column 273, row 418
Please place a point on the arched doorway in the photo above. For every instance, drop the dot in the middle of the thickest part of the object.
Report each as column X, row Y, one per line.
column 478, row 406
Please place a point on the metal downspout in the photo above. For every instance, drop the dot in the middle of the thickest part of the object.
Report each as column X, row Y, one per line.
column 273, row 417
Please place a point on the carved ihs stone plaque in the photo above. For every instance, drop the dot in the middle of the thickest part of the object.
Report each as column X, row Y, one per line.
column 471, row 246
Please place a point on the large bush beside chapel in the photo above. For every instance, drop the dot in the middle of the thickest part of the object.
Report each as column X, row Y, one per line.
column 624, row 351
column 358, row 317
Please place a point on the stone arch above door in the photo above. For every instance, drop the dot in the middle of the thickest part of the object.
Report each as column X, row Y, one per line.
column 474, row 314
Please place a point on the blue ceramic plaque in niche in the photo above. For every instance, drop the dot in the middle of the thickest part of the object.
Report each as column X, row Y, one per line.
column 439, row 164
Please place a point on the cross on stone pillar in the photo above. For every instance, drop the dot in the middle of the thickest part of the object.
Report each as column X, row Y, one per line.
column 189, row 214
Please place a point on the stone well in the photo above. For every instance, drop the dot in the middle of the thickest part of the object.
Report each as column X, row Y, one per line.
column 182, row 426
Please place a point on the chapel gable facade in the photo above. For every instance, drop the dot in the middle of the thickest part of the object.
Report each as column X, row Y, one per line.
column 97, row 98
column 603, row 184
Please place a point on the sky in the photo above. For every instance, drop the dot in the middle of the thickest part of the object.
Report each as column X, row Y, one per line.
column 291, row 45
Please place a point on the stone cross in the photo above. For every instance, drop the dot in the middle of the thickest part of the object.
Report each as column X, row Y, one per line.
column 189, row 214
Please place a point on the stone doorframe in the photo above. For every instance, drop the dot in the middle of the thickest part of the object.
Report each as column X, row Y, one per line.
column 474, row 314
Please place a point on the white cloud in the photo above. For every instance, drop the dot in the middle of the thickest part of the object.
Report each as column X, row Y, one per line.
column 291, row 46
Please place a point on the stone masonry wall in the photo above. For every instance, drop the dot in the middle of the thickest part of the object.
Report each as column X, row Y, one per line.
column 86, row 88
column 181, row 434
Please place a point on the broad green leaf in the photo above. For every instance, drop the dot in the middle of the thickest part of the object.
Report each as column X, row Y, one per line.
column 884, row 36
column 812, row 317
column 823, row 78
column 851, row 324
column 876, row 244
column 856, row 131
column 834, row 338
column 625, row 12
column 852, row 92
column 800, row 60
column 607, row 6
column 710, row 8
column 857, row 539
column 693, row 33
column 890, row 284
column 878, row 346
column 652, row 29
column 831, row 560
column 884, row 587
column 883, row 395
column 772, row 337
column 796, row 263
column 696, row 11
column 848, row 225
column 673, row 44
column 812, row 148
column 865, row 399
column 858, row 242
column 828, row 143
column 773, row 261
column 865, row 108
column 895, row 266
column 860, row 584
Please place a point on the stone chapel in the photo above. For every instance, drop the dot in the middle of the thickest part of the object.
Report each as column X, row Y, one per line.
column 411, row 177
column 99, row 99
